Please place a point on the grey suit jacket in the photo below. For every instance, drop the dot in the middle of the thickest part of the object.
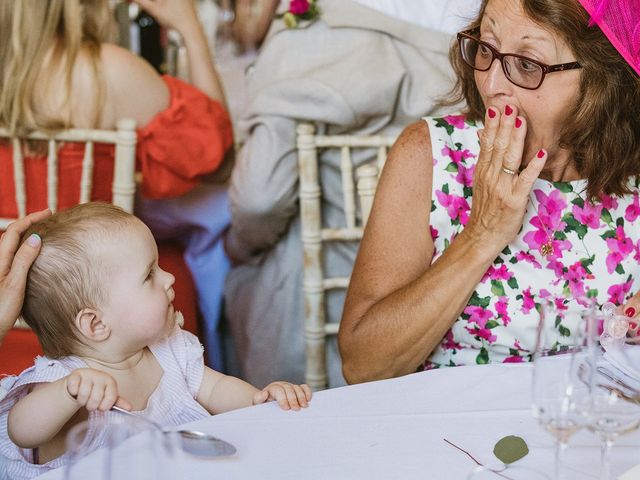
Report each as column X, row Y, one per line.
column 353, row 71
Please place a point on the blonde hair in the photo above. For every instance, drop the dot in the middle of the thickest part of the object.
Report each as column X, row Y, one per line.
column 40, row 41
column 66, row 278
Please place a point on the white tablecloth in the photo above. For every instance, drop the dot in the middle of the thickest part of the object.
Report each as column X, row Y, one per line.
column 394, row 429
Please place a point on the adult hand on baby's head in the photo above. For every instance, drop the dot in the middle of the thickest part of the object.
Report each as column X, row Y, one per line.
column 288, row 396
column 14, row 267
column 95, row 390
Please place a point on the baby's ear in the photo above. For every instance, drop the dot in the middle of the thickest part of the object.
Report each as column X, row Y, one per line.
column 89, row 323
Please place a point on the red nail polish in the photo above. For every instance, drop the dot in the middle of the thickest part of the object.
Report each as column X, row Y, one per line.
column 491, row 112
column 630, row 312
column 540, row 153
column 633, row 325
column 508, row 110
column 518, row 122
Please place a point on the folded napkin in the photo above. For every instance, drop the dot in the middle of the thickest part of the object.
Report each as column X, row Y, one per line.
column 625, row 359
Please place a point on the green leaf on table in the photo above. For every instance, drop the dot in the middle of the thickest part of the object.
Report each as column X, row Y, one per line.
column 510, row 448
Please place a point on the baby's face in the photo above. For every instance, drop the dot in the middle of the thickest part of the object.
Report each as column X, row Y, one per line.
column 139, row 293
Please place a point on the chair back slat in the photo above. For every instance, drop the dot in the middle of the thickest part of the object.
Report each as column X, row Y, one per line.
column 367, row 183
column 314, row 233
column 86, row 182
column 124, row 180
column 124, row 185
column 52, row 176
column 348, row 193
column 18, row 178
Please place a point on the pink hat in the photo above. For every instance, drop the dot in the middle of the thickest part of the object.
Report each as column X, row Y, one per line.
column 619, row 20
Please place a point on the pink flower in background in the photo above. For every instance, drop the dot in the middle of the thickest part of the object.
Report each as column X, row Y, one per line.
column 448, row 343
column 557, row 267
column 527, row 257
column 457, row 156
column 561, row 304
column 547, row 222
column 550, row 209
column 456, row 121
column 478, row 315
column 633, row 211
column 608, row 201
column 501, row 273
column 617, row 293
column 457, row 207
column 482, row 333
column 299, row 7
column 513, row 359
column 575, row 275
column 619, row 247
column 434, row 233
column 501, row 310
column 588, row 215
column 527, row 301
column 465, row 175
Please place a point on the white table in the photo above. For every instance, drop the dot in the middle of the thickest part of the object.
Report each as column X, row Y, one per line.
column 394, row 429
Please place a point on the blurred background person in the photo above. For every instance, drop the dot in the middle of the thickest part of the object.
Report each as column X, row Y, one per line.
column 58, row 70
column 360, row 67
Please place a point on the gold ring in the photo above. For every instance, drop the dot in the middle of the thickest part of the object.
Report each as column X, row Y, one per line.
column 508, row 170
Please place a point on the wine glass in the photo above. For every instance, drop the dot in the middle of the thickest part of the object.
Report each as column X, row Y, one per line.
column 559, row 396
column 114, row 446
column 512, row 472
column 611, row 412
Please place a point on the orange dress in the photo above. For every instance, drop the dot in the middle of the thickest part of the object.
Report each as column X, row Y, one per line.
column 181, row 143
column 186, row 140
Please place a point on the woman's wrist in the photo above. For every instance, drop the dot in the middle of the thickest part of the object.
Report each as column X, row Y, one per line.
column 482, row 244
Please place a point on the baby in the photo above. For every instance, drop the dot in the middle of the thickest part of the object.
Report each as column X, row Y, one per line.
column 102, row 309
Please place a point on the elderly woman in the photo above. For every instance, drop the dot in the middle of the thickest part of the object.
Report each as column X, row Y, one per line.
column 531, row 194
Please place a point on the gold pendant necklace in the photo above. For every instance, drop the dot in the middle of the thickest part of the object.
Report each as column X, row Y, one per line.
column 546, row 248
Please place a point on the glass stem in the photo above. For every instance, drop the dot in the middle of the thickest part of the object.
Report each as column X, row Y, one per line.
column 560, row 447
column 606, row 443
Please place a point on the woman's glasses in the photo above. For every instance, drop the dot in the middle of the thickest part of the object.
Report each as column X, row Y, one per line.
column 522, row 71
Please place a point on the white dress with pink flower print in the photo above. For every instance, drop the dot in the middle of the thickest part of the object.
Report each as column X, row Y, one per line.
column 595, row 254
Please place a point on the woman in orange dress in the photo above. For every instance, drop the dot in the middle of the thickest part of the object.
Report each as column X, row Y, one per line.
column 59, row 71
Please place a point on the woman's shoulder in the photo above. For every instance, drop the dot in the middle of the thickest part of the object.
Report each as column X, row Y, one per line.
column 414, row 139
column 133, row 88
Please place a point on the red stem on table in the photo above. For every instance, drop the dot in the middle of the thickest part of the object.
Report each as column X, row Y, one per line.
column 476, row 461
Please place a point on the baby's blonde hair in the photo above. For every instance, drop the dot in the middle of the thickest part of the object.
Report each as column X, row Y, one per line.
column 67, row 276
column 40, row 41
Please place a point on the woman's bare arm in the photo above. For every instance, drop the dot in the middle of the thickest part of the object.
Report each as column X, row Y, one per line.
column 399, row 305
column 181, row 15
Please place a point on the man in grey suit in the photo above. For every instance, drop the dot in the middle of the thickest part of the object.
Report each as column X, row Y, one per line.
column 355, row 70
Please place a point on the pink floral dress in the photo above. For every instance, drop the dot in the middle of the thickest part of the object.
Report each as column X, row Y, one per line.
column 595, row 254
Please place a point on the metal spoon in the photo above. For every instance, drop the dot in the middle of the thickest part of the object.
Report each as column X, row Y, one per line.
column 192, row 441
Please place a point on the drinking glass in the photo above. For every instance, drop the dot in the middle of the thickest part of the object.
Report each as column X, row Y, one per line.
column 511, row 472
column 613, row 410
column 559, row 396
column 115, row 446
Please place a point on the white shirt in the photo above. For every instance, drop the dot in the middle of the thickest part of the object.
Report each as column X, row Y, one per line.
column 447, row 16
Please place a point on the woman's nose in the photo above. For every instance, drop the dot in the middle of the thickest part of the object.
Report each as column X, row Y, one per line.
column 494, row 81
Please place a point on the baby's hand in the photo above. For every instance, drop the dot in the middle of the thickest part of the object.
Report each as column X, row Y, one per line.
column 95, row 390
column 287, row 395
